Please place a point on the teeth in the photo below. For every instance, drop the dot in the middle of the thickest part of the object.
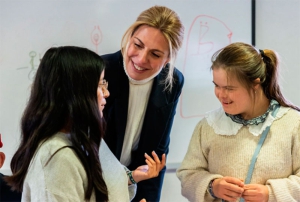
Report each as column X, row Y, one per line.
column 138, row 68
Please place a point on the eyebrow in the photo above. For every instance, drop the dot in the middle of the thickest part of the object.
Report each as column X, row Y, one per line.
column 151, row 49
column 225, row 86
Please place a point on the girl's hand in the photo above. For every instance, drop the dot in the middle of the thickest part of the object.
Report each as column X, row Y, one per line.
column 228, row 188
column 256, row 193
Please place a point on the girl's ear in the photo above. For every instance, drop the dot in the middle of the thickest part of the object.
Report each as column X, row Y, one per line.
column 256, row 84
column 2, row 158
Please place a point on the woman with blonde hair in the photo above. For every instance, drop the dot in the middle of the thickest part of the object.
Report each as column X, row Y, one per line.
column 144, row 92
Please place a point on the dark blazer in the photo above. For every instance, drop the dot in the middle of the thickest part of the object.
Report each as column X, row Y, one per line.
column 6, row 194
column 155, row 134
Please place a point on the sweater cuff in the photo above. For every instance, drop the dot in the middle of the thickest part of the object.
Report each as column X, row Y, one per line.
column 271, row 194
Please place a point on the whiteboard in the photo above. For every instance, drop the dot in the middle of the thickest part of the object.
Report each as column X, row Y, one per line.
column 29, row 28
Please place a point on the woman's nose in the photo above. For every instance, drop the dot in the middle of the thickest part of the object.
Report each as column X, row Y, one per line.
column 143, row 57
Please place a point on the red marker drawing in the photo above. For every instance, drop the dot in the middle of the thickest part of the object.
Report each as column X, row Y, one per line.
column 1, row 144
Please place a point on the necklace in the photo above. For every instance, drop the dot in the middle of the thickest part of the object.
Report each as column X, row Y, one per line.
column 255, row 121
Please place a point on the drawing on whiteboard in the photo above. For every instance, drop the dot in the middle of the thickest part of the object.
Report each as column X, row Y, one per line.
column 206, row 35
column 33, row 67
column 96, row 37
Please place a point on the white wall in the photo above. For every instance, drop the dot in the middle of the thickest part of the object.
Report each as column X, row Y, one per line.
column 28, row 28
column 278, row 28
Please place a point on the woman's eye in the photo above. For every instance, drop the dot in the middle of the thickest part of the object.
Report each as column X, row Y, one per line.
column 138, row 45
column 155, row 55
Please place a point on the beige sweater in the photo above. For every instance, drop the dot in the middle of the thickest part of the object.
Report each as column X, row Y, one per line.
column 64, row 177
column 212, row 155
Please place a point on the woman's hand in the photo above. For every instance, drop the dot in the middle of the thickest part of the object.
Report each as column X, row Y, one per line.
column 228, row 188
column 152, row 169
column 256, row 193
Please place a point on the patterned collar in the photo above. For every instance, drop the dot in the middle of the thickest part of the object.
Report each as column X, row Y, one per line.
column 255, row 121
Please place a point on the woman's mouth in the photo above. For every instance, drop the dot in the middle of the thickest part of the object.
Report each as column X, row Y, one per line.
column 138, row 68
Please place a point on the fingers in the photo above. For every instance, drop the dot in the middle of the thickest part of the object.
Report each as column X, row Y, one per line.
column 150, row 162
column 155, row 156
column 225, row 189
column 155, row 160
column 234, row 181
column 256, row 192
column 155, row 164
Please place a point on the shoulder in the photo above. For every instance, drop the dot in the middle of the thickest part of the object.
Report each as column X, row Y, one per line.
column 54, row 165
column 114, row 71
column 178, row 78
column 56, row 159
column 289, row 116
column 51, row 145
column 178, row 82
column 293, row 113
column 56, row 150
column 112, row 58
column 177, row 75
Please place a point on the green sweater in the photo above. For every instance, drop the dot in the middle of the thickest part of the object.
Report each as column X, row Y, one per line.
column 211, row 155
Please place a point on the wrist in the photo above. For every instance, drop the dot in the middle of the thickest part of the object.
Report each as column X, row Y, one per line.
column 210, row 189
column 130, row 178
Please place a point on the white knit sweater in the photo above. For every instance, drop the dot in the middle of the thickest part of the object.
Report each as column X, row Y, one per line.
column 211, row 155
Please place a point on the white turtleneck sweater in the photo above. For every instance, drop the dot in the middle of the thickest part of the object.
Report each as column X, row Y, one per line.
column 139, row 93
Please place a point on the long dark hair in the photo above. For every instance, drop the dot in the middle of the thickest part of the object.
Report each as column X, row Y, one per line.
column 247, row 64
column 64, row 93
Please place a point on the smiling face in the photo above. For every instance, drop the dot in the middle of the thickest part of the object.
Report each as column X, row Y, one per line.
column 102, row 93
column 234, row 97
column 147, row 53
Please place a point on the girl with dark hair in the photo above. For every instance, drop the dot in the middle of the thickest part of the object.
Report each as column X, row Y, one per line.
column 62, row 156
column 248, row 150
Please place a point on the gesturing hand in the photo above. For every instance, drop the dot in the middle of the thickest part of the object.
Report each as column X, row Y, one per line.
column 256, row 193
column 228, row 188
column 152, row 169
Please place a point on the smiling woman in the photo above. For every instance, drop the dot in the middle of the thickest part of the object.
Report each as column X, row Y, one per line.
column 144, row 91
column 147, row 53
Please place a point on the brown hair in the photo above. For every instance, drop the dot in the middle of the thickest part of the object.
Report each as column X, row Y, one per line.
column 247, row 63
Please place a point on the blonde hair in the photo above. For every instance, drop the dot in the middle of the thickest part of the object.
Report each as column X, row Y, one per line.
column 168, row 22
